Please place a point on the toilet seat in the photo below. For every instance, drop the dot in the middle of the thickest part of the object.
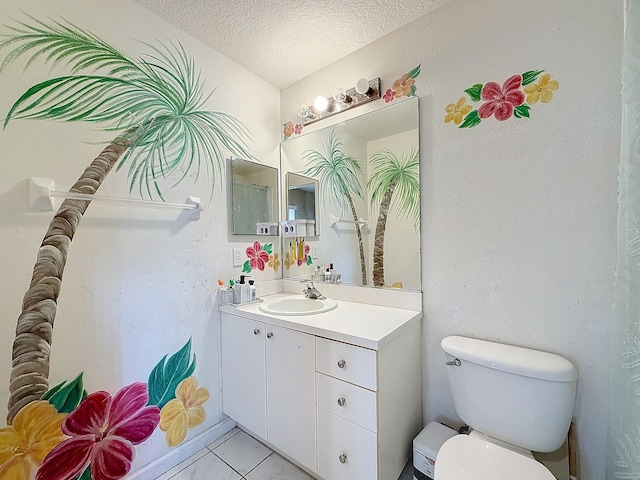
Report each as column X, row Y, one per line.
column 465, row 457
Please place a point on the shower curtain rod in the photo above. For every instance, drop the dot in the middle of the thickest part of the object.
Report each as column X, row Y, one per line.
column 41, row 195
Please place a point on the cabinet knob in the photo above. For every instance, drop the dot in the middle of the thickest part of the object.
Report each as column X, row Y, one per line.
column 270, row 334
column 343, row 458
column 341, row 363
column 256, row 331
column 341, row 401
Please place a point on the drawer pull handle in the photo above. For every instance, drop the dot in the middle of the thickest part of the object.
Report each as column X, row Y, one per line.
column 343, row 458
column 341, row 363
column 341, row 401
column 256, row 331
column 270, row 334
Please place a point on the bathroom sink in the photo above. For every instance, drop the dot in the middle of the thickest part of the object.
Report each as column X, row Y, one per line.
column 298, row 306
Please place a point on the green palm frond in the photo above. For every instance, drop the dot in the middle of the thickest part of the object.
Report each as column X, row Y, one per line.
column 338, row 173
column 159, row 98
column 401, row 174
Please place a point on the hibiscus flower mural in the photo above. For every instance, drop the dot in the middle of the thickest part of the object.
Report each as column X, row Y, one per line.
column 512, row 98
column 69, row 434
column 405, row 86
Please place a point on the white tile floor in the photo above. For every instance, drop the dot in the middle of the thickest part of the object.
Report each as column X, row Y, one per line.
column 238, row 456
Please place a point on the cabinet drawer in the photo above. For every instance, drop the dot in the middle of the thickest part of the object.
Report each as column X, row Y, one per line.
column 345, row 450
column 348, row 401
column 347, row 362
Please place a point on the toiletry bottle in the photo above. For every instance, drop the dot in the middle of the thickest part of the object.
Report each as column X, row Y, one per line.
column 244, row 289
column 252, row 291
column 327, row 275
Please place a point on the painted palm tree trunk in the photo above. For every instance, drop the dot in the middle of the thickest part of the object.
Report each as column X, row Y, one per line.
column 363, row 264
column 378, row 239
column 32, row 344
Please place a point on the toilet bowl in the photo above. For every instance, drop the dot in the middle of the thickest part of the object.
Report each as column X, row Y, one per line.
column 516, row 400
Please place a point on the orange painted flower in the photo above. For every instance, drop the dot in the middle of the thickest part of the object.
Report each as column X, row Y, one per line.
column 288, row 129
column 541, row 91
column 35, row 431
column 455, row 112
column 183, row 412
column 403, row 85
column 274, row 262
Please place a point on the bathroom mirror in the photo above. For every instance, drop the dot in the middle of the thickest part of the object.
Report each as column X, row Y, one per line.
column 254, row 198
column 302, row 198
column 367, row 198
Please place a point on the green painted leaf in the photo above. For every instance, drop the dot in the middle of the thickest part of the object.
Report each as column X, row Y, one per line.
column 309, row 260
column 521, row 111
column 86, row 475
column 471, row 120
column 475, row 92
column 168, row 373
column 530, row 76
column 413, row 91
column 65, row 397
column 246, row 268
column 268, row 247
column 415, row 72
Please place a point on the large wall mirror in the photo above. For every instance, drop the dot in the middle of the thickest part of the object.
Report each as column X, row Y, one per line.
column 254, row 198
column 368, row 196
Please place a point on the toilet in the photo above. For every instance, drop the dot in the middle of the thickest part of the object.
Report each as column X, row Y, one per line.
column 516, row 401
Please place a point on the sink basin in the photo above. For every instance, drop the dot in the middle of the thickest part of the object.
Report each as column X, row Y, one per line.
column 298, row 306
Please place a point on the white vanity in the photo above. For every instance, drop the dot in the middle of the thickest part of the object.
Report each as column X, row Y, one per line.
column 339, row 393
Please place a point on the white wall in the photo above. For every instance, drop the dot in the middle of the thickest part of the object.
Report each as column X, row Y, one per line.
column 139, row 282
column 518, row 237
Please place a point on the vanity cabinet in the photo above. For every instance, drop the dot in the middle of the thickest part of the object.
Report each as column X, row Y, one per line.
column 268, row 384
column 343, row 406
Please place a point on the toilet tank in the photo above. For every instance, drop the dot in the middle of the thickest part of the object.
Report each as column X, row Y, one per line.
column 521, row 396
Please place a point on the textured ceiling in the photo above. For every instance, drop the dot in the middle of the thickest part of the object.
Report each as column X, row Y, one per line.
column 284, row 41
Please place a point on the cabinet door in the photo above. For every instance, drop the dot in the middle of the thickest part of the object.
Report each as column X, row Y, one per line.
column 243, row 372
column 291, row 412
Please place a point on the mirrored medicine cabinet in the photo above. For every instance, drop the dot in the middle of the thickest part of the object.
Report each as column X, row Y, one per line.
column 254, row 197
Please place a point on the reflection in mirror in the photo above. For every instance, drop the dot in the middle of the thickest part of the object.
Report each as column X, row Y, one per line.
column 302, row 198
column 368, row 197
column 254, row 198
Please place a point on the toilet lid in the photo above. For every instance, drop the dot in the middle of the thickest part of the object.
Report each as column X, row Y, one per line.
column 465, row 457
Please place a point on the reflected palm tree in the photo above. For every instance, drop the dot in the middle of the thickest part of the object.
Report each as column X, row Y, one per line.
column 394, row 184
column 339, row 176
column 155, row 108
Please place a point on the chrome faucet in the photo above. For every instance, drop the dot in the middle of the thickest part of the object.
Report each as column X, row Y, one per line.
column 310, row 291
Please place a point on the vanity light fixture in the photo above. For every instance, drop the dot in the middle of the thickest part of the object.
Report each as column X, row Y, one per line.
column 363, row 92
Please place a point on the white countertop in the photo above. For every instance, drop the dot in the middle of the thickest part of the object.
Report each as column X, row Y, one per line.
column 361, row 324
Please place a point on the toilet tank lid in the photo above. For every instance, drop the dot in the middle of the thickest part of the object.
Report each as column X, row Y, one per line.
column 512, row 359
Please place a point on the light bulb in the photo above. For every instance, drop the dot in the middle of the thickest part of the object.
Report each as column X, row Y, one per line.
column 321, row 103
column 338, row 95
column 303, row 111
column 362, row 85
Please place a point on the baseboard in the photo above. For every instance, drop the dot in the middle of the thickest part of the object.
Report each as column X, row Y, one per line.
column 177, row 455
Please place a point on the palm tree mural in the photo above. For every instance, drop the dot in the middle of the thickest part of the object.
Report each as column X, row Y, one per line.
column 394, row 184
column 155, row 108
column 339, row 176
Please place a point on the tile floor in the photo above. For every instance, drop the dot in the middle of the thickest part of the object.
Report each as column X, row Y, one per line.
column 238, row 456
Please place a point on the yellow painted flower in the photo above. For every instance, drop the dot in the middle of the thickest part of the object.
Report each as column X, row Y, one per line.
column 35, row 431
column 274, row 262
column 542, row 91
column 457, row 111
column 288, row 261
column 183, row 412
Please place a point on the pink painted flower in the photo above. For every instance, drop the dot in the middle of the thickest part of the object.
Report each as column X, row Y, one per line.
column 389, row 95
column 103, row 430
column 297, row 129
column 258, row 258
column 500, row 101
column 303, row 259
